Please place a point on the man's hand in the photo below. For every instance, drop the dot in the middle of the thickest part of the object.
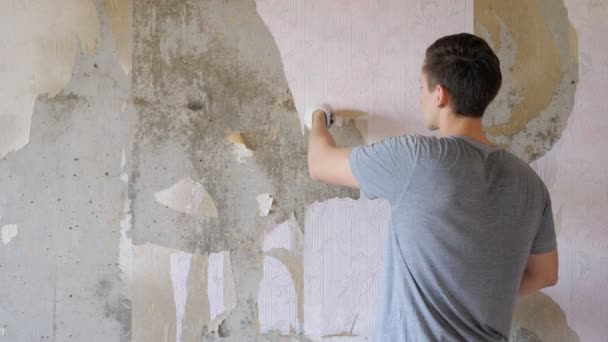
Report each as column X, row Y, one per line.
column 319, row 115
column 326, row 162
column 312, row 110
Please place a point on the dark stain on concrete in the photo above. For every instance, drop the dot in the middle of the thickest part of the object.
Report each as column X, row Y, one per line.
column 117, row 307
column 59, row 112
column 544, row 139
column 195, row 105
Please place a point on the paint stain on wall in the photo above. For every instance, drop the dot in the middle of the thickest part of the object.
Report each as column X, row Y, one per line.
column 120, row 13
column 538, row 50
column 38, row 57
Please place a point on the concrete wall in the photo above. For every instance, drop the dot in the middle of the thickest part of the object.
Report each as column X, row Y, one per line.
column 130, row 209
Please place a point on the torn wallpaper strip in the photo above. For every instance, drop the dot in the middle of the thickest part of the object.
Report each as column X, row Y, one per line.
column 180, row 268
column 343, row 259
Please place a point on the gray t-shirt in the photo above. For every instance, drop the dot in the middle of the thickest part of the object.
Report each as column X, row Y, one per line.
column 464, row 218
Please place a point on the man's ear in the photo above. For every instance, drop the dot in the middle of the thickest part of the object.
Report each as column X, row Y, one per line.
column 443, row 96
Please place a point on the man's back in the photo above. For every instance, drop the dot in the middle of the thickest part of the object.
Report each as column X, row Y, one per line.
column 465, row 217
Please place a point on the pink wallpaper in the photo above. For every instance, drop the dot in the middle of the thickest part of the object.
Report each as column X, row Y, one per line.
column 361, row 55
column 575, row 171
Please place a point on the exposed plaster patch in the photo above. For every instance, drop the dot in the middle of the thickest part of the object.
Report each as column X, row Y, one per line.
column 180, row 292
column 538, row 50
column 153, row 298
column 540, row 314
column 189, row 197
column 239, row 147
column 120, row 13
column 9, row 232
column 196, row 311
column 38, row 57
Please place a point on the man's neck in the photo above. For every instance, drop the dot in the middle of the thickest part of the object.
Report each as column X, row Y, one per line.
column 457, row 125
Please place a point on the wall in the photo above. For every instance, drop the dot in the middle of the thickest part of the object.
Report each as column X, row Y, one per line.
column 131, row 209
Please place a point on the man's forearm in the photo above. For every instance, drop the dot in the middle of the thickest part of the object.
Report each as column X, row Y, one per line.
column 319, row 134
column 328, row 163
column 319, row 139
column 530, row 284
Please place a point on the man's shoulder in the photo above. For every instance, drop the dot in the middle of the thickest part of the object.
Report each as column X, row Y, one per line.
column 525, row 170
column 521, row 164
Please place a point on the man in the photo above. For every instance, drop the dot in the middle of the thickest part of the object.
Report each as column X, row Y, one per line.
column 471, row 224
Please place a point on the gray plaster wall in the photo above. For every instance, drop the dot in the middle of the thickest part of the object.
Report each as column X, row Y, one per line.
column 58, row 276
column 201, row 70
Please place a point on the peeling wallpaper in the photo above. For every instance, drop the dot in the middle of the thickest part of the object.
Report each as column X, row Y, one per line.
column 153, row 167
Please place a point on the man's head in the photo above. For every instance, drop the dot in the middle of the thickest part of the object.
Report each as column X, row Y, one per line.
column 460, row 75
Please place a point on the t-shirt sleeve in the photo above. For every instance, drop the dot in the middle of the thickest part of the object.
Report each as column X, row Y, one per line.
column 383, row 169
column 545, row 240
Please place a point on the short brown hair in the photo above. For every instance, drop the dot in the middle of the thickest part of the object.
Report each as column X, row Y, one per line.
column 466, row 65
